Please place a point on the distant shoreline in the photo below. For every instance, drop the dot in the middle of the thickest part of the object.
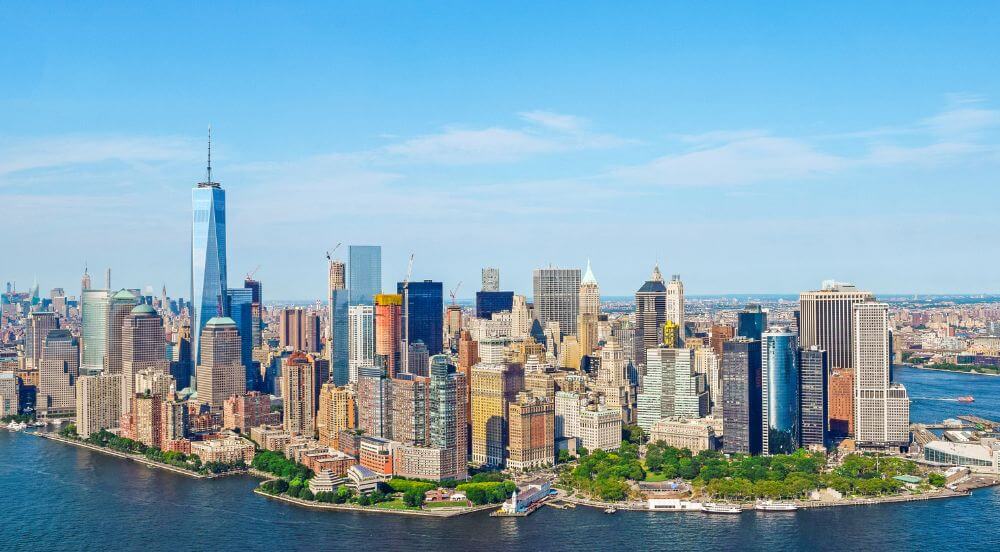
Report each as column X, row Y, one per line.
column 369, row 510
column 970, row 373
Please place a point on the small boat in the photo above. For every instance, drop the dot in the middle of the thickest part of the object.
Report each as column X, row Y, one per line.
column 771, row 506
column 966, row 399
column 721, row 508
column 610, row 511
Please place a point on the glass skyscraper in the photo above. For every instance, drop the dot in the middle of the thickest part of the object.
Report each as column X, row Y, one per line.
column 208, row 258
column 425, row 312
column 94, row 330
column 780, row 391
column 339, row 346
column 364, row 280
column 239, row 305
column 489, row 302
column 751, row 322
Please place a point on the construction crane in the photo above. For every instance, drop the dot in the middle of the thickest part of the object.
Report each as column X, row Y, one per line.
column 454, row 291
column 329, row 254
column 251, row 274
column 406, row 314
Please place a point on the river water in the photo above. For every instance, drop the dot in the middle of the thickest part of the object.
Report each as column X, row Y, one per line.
column 57, row 497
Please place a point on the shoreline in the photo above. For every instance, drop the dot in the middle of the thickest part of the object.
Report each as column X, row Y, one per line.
column 969, row 373
column 368, row 510
column 125, row 456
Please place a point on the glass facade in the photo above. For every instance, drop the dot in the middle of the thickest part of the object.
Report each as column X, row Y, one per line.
column 489, row 302
column 813, row 396
column 208, row 258
column 425, row 313
column 741, row 396
column 780, row 392
column 94, row 330
column 339, row 349
column 751, row 322
column 364, row 279
column 239, row 305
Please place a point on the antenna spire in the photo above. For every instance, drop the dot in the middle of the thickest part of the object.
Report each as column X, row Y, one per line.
column 209, row 180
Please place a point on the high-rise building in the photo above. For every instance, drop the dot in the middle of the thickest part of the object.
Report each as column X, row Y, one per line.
column 10, row 394
column 741, row 396
column 143, row 346
column 531, row 432
column 719, row 334
column 57, row 374
column 881, row 407
column 709, row 363
column 365, row 273
column 424, row 312
column 361, row 337
column 452, row 326
column 557, row 297
column 94, row 329
column 239, row 305
column 650, row 315
column 671, row 388
column 590, row 293
column 292, row 329
column 220, row 373
column 448, row 416
column 119, row 307
column 825, row 320
column 256, row 312
column 298, row 392
column 37, row 329
column 520, row 318
column 780, row 391
column 675, row 304
column 388, row 330
column 491, row 279
column 410, row 409
column 340, row 345
column 813, row 396
column 489, row 302
column 98, row 403
column 337, row 412
column 208, row 255
column 246, row 411
column 841, row 403
column 375, row 400
column 751, row 322
column 418, row 359
column 336, row 276
column 494, row 387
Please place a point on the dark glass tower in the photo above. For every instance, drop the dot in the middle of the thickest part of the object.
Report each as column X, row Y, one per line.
column 813, row 396
column 741, row 396
column 364, row 280
column 489, row 302
column 751, row 322
column 780, row 391
column 424, row 308
column 239, row 305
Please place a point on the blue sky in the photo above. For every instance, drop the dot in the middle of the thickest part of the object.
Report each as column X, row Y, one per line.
column 754, row 147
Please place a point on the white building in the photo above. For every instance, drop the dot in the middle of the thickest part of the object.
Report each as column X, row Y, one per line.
column 98, row 403
column 881, row 408
column 567, row 414
column 600, row 428
column 360, row 338
column 9, row 388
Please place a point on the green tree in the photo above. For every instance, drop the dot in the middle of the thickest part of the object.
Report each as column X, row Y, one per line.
column 413, row 498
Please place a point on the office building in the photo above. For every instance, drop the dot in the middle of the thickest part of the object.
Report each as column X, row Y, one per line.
column 531, row 432
column 423, row 310
column 719, row 334
column 361, row 339
column 249, row 410
column 337, row 412
column 881, row 407
column 292, row 329
column 208, row 256
column 98, row 403
column 57, row 374
column 650, row 315
column 600, row 428
column 119, row 308
column 557, row 297
column 10, row 390
column 410, row 409
column 751, row 322
column 494, row 387
column 520, row 318
column 813, row 397
column 825, row 320
column 741, row 396
column 220, row 373
column 841, row 403
column 490, row 302
column 780, row 384
column 239, row 305
column 365, row 273
column 388, row 330
column 675, row 304
column 93, row 329
column 671, row 388
column 694, row 435
column 491, row 279
column 298, row 393
column 36, row 329
column 449, row 429
column 339, row 346
column 143, row 347
column 375, row 400
column 256, row 312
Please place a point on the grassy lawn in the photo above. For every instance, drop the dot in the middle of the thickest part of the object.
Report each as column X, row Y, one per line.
column 447, row 504
column 655, row 477
column 394, row 504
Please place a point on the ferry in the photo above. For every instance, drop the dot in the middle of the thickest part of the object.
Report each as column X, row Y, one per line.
column 610, row 511
column 771, row 506
column 966, row 399
column 721, row 508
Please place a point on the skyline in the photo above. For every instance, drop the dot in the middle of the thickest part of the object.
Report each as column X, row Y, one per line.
column 627, row 139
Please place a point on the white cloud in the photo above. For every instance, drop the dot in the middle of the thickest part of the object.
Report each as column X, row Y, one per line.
column 65, row 151
column 555, row 121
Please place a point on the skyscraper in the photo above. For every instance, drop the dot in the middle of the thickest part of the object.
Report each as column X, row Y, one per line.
column 143, row 347
column 298, row 391
column 37, row 329
column 494, row 387
column 375, row 400
column 448, row 416
column 98, row 403
column 557, row 297
column 813, row 396
column 292, row 329
column 741, row 396
column 336, row 412
column 57, row 374
column 751, row 322
column 410, row 409
column 256, row 314
column 675, row 304
column 94, row 329
column 489, row 302
column 119, row 307
column 491, row 279
column 339, row 347
column 388, row 330
column 780, row 391
column 365, row 273
column 240, row 305
column 671, row 387
column 220, row 373
column 208, row 255
column 361, row 337
column 881, row 408
column 825, row 320
column 531, row 432
column 590, row 293
column 424, row 310
column 650, row 315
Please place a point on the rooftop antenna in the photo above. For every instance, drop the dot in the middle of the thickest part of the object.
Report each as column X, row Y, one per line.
column 209, row 154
